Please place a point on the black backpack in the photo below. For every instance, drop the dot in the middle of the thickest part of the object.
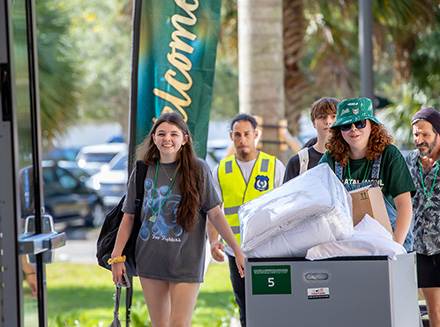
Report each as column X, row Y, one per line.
column 109, row 230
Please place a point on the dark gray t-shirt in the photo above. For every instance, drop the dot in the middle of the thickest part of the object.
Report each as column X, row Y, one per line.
column 293, row 166
column 163, row 250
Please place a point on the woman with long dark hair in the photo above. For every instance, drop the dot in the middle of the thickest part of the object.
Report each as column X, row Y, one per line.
column 170, row 248
column 360, row 153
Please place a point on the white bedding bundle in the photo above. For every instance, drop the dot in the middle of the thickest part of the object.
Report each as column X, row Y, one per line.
column 310, row 209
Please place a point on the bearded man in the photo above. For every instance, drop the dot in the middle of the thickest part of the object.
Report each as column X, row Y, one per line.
column 423, row 164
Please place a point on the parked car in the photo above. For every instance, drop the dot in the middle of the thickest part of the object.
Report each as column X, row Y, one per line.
column 67, row 198
column 111, row 181
column 75, row 169
column 92, row 157
column 66, row 153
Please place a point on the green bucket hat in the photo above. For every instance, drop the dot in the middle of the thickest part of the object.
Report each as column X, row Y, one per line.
column 353, row 110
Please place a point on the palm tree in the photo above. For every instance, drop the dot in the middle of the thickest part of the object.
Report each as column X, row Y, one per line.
column 397, row 26
column 261, row 66
column 332, row 44
column 399, row 30
column 57, row 76
column 294, row 29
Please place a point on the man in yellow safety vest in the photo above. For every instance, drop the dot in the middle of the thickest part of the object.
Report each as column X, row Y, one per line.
column 238, row 179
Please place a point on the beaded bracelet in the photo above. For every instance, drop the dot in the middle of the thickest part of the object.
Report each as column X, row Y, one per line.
column 116, row 260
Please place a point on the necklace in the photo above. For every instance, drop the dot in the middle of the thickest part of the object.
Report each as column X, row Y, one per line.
column 428, row 203
column 154, row 216
column 165, row 172
column 349, row 174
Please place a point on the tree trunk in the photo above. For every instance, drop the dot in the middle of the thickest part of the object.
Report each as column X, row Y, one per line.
column 294, row 27
column 261, row 91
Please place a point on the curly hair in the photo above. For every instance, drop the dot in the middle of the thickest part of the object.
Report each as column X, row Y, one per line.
column 340, row 150
column 190, row 171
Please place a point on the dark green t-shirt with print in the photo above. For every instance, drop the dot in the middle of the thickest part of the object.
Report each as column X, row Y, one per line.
column 394, row 176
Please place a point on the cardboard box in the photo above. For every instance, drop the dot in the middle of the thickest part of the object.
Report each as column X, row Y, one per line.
column 369, row 200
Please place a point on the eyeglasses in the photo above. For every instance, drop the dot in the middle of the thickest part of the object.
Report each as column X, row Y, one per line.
column 359, row 125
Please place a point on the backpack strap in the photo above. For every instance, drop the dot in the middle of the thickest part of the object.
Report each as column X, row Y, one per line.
column 141, row 173
column 338, row 170
column 376, row 167
column 303, row 157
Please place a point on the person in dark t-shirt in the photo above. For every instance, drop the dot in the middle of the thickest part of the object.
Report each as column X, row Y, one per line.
column 323, row 115
column 179, row 197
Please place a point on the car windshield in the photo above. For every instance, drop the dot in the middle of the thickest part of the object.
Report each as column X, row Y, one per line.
column 98, row 157
column 121, row 164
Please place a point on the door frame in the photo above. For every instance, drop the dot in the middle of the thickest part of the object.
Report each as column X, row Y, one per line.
column 13, row 244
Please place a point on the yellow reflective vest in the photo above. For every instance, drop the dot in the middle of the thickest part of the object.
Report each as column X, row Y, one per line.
column 236, row 191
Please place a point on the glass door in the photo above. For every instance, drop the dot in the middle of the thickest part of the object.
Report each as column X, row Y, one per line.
column 26, row 232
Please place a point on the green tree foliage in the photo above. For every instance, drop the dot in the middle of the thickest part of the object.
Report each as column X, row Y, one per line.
column 58, row 78
column 334, row 52
column 100, row 33
column 404, row 40
column 406, row 68
column 225, row 93
column 93, row 50
column 425, row 61
column 98, row 46
column 422, row 88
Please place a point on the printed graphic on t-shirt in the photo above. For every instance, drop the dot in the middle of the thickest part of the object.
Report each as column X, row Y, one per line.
column 358, row 183
column 160, row 223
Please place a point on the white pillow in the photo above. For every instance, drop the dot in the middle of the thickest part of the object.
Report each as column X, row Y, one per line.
column 369, row 238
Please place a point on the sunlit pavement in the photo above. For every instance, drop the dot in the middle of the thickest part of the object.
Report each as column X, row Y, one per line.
column 80, row 245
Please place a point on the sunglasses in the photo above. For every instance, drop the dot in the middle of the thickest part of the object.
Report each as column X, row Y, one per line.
column 359, row 125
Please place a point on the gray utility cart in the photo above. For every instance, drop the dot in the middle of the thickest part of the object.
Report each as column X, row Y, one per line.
column 362, row 291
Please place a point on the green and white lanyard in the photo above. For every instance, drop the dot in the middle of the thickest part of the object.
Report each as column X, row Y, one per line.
column 154, row 216
column 349, row 174
column 428, row 203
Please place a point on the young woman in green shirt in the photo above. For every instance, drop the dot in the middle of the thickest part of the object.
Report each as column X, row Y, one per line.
column 360, row 152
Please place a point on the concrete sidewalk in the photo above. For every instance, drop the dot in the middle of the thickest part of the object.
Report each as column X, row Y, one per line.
column 79, row 250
